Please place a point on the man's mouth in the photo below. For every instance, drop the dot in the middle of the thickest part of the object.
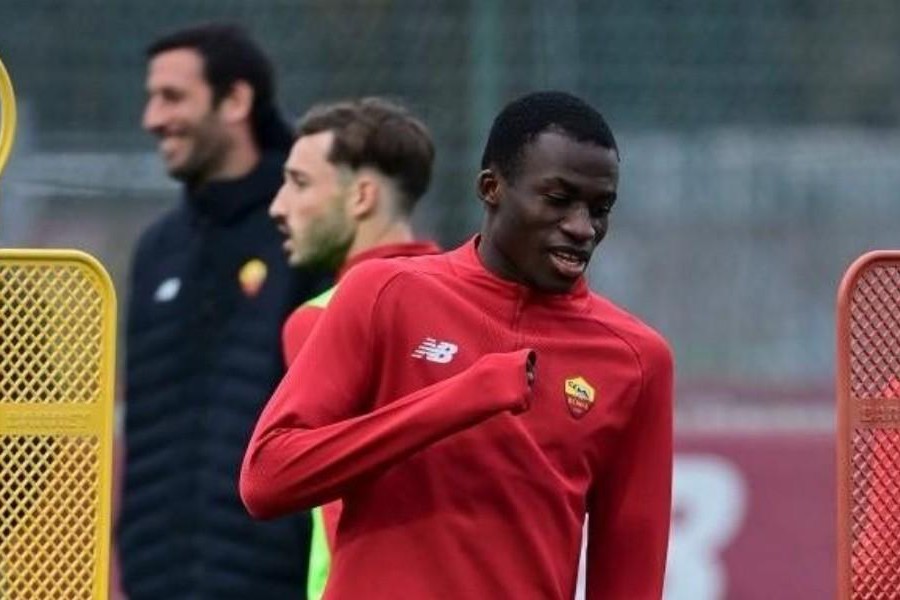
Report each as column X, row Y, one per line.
column 169, row 144
column 569, row 262
column 286, row 243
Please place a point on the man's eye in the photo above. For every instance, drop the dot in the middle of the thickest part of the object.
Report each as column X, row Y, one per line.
column 601, row 210
column 556, row 200
column 171, row 95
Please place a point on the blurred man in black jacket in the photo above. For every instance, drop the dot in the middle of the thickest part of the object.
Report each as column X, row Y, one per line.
column 209, row 290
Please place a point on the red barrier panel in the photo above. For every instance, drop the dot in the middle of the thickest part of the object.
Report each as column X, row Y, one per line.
column 868, row 440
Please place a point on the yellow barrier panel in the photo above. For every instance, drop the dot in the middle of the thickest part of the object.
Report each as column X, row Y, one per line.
column 57, row 368
column 7, row 116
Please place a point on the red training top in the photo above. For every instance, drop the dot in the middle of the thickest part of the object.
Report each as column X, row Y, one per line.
column 299, row 325
column 457, row 480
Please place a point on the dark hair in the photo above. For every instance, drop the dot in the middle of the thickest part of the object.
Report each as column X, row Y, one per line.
column 230, row 55
column 522, row 120
column 378, row 133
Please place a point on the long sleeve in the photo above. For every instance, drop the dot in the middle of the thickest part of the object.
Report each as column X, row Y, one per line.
column 630, row 508
column 317, row 436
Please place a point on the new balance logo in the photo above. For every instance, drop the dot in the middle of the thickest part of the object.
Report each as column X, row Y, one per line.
column 432, row 350
column 167, row 290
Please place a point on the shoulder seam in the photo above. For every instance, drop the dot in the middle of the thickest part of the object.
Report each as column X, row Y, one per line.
column 375, row 303
column 627, row 342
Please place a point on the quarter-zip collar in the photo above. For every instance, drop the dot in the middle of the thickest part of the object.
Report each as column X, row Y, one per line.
column 390, row 251
column 468, row 263
column 226, row 201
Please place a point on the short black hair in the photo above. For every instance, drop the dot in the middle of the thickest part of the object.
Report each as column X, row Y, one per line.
column 379, row 133
column 523, row 119
column 231, row 55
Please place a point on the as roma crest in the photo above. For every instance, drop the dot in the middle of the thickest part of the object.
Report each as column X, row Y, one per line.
column 252, row 276
column 579, row 396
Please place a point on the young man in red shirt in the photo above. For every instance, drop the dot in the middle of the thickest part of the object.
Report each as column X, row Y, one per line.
column 470, row 408
column 355, row 173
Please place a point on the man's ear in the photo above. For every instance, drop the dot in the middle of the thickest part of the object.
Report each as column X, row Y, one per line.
column 238, row 104
column 488, row 187
column 365, row 194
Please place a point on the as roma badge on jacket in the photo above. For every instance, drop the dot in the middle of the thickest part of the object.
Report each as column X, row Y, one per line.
column 579, row 396
column 252, row 276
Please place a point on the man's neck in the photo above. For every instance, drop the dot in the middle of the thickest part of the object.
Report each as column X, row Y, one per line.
column 373, row 234
column 239, row 162
column 242, row 157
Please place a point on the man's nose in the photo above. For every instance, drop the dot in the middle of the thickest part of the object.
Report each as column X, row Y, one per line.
column 578, row 224
column 153, row 117
column 275, row 210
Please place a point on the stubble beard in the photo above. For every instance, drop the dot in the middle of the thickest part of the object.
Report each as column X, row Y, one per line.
column 206, row 157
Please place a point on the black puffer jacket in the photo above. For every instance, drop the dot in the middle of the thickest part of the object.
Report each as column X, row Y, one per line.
column 210, row 288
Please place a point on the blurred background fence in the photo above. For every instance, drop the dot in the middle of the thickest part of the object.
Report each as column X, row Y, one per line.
column 760, row 154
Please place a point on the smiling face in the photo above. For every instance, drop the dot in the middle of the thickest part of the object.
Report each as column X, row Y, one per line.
column 180, row 112
column 311, row 206
column 544, row 222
